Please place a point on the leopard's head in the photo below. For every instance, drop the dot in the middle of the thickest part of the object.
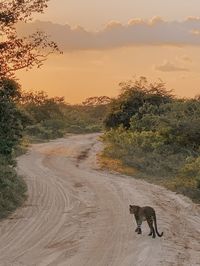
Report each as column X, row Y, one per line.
column 133, row 209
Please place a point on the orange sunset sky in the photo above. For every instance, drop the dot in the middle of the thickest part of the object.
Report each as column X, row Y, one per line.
column 106, row 42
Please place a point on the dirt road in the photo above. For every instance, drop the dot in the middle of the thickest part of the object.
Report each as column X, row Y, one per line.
column 77, row 215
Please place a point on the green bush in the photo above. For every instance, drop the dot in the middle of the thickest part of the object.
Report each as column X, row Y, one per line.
column 76, row 129
column 12, row 119
column 40, row 132
column 12, row 189
column 191, row 170
column 94, row 128
column 157, row 134
column 144, row 150
column 136, row 98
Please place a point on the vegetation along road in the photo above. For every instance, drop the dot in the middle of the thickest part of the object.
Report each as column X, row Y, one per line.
column 76, row 214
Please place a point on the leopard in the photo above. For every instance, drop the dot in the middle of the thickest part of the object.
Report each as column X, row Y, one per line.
column 148, row 214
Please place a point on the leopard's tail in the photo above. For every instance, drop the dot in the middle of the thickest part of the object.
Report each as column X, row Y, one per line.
column 155, row 224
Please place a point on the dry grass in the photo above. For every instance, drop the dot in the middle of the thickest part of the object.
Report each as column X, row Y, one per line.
column 177, row 184
column 115, row 165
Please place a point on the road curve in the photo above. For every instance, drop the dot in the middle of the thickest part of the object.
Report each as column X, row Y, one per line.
column 77, row 215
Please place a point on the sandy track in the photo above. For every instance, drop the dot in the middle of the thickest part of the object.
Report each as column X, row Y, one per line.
column 77, row 215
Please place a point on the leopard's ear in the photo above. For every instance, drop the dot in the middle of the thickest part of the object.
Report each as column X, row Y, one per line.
column 130, row 206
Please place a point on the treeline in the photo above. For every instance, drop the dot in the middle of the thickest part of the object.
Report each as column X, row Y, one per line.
column 151, row 130
column 52, row 117
column 36, row 116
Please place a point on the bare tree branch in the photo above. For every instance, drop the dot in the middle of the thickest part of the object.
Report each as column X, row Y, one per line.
column 26, row 52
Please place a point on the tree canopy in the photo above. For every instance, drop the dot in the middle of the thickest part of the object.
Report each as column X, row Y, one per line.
column 12, row 118
column 21, row 52
column 136, row 98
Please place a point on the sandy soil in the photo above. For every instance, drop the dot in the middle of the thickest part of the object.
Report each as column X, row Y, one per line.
column 77, row 215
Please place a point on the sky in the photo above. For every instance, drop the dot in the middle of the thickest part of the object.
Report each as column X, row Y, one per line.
column 106, row 42
column 93, row 14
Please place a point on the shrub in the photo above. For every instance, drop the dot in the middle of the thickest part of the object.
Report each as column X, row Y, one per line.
column 12, row 189
column 191, row 170
column 152, row 131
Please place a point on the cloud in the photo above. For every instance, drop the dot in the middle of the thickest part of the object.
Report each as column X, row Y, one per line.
column 192, row 19
column 156, row 20
column 186, row 58
column 140, row 21
column 137, row 31
column 168, row 66
column 195, row 32
column 136, row 21
column 113, row 25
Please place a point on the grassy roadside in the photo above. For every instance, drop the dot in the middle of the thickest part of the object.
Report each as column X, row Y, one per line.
column 176, row 184
column 12, row 189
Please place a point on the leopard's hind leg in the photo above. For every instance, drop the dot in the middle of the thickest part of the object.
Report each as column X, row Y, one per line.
column 152, row 230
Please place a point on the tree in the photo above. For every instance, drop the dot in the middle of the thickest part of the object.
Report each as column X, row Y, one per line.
column 12, row 119
column 136, row 98
column 26, row 52
column 41, row 107
column 97, row 100
column 18, row 53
